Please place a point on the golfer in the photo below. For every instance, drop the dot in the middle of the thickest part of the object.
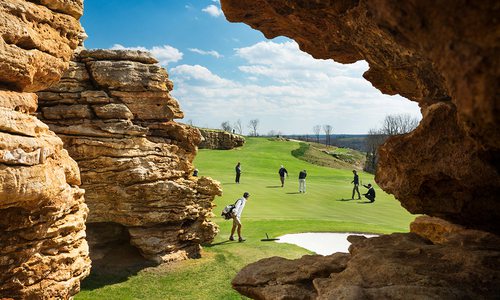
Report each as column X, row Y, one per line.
column 356, row 185
column 282, row 171
column 370, row 195
column 238, row 209
column 302, row 181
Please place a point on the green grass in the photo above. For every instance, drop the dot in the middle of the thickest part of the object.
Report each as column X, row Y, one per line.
column 270, row 209
column 332, row 157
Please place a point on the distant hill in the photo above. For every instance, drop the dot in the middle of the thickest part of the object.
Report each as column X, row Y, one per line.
column 352, row 141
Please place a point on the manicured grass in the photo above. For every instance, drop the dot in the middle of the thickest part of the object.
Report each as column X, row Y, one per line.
column 270, row 209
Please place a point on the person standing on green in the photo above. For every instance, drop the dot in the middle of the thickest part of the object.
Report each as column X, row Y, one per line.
column 356, row 185
column 238, row 209
column 282, row 171
column 238, row 172
column 302, row 181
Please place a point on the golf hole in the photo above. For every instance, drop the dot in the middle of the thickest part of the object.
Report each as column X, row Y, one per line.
column 323, row 243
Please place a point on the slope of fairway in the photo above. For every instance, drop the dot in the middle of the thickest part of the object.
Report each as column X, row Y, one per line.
column 327, row 189
column 270, row 209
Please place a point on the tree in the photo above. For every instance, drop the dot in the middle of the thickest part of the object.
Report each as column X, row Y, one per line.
column 392, row 125
column 317, row 131
column 226, row 126
column 328, row 129
column 238, row 127
column 253, row 124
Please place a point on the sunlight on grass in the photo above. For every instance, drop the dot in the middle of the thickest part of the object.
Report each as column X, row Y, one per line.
column 270, row 209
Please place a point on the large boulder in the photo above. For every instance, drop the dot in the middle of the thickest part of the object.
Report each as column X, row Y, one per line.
column 113, row 110
column 220, row 139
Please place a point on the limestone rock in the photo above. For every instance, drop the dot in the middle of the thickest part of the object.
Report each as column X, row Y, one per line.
column 218, row 139
column 115, row 115
column 43, row 252
column 443, row 54
column 396, row 266
column 37, row 41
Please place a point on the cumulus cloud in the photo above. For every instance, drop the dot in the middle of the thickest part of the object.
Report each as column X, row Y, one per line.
column 213, row 10
column 287, row 90
column 164, row 54
column 203, row 52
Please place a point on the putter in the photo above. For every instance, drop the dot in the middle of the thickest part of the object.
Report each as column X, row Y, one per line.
column 267, row 239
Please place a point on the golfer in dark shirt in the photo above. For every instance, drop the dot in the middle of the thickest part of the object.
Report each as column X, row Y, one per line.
column 302, row 181
column 356, row 185
column 370, row 195
column 282, row 173
column 238, row 172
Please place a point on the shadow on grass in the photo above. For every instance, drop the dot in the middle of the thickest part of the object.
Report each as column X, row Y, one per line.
column 293, row 193
column 366, row 202
column 219, row 243
column 273, row 186
column 345, row 199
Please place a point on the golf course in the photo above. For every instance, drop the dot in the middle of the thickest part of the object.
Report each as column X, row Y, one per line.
column 271, row 209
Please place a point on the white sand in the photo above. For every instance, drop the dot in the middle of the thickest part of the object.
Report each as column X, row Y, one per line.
column 324, row 243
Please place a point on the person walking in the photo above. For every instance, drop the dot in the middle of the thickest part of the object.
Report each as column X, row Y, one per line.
column 356, row 185
column 238, row 209
column 302, row 181
column 370, row 195
column 282, row 171
column 238, row 172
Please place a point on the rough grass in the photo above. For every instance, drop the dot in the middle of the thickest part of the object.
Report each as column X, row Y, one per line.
column 270, row 209
column 332, row 157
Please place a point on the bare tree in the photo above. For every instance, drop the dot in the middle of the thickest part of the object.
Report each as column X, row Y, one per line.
column 392, row 125
column 317, row 131
column 226, row 126
column 253, row 124
column 190, row 122
column 328, row 129
column 238, row 127
column 399, row 124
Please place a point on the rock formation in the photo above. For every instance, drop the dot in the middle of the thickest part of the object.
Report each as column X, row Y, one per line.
column 443, row 55
column 219, row 139
column 113, row 110
column 43, row 252
column 438, row 260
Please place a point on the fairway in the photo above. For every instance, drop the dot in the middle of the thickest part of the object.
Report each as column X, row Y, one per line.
column 270, row 209
column 327, row 189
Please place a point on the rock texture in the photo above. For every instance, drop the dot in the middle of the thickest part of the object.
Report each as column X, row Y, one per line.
column 43, row 252
column 219, row 139
column 113, row 111
column 464, row 266
column 442, row 55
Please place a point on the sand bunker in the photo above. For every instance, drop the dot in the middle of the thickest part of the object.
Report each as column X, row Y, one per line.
column 323, row 243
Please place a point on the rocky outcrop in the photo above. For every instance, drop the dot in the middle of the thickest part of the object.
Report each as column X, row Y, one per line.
column 43, row 252
column 442, row 55
column 220, row 140
column 397, row 266
column 113, row 111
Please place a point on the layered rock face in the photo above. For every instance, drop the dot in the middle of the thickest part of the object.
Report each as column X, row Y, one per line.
column 113, row 110
column 221, row 140
column 443, row 55
column 438, row 260
column 43, row 252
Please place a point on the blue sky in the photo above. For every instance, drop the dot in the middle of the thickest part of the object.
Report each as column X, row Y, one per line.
column 227, row 71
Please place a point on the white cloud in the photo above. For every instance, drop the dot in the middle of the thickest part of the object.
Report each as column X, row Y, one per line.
column 287, row 90
column 203, row 52
column 164, row 54
column 213, row 10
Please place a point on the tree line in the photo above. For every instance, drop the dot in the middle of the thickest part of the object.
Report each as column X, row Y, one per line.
column 237, row 127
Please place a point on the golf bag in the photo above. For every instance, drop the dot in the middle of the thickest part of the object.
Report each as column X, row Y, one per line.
column 228, row 211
